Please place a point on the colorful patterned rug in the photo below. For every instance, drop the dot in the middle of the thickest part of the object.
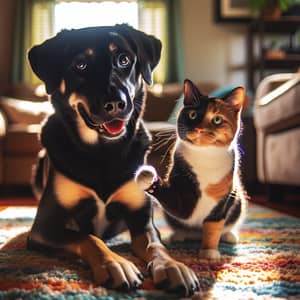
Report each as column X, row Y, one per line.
column 264, row 265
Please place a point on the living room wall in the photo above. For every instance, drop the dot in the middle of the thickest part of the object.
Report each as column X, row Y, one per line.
column 7, row 17
column 210, row 48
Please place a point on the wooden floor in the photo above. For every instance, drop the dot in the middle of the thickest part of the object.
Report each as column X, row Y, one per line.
column 289, row 205
column 17, row 201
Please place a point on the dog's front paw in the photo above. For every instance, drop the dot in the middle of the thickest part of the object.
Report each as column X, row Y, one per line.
column 119, row 274
column 173, row 276
column 145, row 176
column 209, row 254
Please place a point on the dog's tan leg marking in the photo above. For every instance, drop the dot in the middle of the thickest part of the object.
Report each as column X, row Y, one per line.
column 105, row 264
column 219, row 190
column 68, row 192
column 129, row 194
column 163, row 267
column 87, row 134
column 62, row 87
column 210, row 239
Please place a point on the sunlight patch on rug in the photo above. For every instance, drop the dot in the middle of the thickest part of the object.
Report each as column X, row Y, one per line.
column 15, row 220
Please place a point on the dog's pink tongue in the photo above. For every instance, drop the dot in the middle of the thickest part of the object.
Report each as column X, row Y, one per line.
column 114, row 126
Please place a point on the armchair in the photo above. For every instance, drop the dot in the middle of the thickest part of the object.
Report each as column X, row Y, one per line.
column 277, row 122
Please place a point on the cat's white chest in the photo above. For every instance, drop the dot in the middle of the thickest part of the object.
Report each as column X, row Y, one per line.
column 210, row 165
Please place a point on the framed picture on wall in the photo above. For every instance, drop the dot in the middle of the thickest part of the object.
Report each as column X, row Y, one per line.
column 232, row 11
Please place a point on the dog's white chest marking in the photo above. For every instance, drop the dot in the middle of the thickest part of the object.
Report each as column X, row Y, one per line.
column 210, row 164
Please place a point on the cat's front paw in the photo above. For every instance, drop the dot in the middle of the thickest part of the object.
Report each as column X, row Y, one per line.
column 230, row 238
column 145, row 176
column 209, row 254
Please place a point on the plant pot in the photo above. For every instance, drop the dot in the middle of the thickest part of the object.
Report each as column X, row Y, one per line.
column 271, row 12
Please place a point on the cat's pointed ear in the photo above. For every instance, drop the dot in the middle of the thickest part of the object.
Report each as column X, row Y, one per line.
column 190, row 91
column 236, row 98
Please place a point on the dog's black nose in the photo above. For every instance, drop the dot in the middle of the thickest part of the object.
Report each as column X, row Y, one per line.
column 115, row 107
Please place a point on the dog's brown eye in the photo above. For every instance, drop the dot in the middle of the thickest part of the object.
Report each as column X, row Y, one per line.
column 81, row 65
column 123, row 60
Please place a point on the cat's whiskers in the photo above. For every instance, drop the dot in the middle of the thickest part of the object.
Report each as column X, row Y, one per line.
column 164, row 140
column 159, row 145
column 164, row 132
column 167, row 152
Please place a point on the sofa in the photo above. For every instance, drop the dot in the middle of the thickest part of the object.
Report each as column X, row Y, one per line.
column 277, row 123
column 21, row 112
column 19, row 127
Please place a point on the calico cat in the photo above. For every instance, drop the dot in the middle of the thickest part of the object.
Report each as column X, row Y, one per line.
column 202, row 193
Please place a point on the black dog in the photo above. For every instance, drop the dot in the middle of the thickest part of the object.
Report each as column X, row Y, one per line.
column 95, row 142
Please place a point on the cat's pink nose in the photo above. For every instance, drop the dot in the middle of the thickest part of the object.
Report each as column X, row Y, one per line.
column 198, row 130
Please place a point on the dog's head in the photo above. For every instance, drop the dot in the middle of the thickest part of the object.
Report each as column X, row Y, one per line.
column 95, row 76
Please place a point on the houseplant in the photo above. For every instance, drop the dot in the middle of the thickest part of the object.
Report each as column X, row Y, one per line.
column 271, row 8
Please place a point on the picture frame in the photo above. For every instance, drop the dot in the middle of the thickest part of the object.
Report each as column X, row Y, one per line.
column 233, row 11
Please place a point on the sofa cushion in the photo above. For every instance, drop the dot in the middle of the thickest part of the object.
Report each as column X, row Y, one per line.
column 26, row 91
column 22, row 140
column 158, row 108
column 154, row 127
column 281, row 154
column 177, row 108
column 3, row 124
column 25, row 112
column 18, row 170
column 279, row 111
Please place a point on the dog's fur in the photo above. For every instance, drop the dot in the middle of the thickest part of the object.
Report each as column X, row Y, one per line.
column 94, row 143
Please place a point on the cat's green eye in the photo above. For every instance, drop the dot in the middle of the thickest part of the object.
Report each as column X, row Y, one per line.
column 193, row 114
column 217, row 120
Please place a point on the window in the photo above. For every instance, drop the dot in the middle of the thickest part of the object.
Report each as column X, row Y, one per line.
column 44, row 18
column 68, row 15
column 152, row 19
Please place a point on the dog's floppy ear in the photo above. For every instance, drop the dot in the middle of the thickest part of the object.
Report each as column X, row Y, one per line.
column 147, row 48
column 47, row 60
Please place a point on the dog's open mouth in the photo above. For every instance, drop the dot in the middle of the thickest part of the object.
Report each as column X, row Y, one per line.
column 114, row 127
